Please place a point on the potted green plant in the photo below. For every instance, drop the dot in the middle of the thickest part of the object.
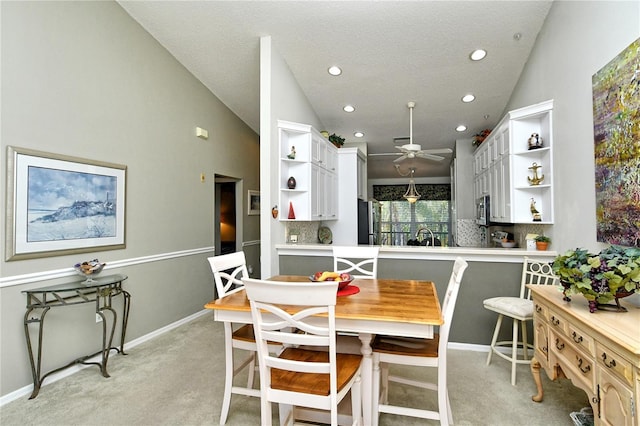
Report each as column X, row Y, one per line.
column 609, row 275
column 542, row 242
column 336, row 140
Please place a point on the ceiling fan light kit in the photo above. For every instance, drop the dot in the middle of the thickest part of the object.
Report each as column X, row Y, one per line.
column 412, row 194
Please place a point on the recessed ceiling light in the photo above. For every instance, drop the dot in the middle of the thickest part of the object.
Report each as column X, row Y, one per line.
column 349, row 108
column 334, row 70
column 461, row 128
column 468, row 98
column 358, row 134
column 478, row 54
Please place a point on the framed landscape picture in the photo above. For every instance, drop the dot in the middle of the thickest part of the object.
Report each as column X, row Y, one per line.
column 59, row 205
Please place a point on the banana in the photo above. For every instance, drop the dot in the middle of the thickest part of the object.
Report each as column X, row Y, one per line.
column 327, row 274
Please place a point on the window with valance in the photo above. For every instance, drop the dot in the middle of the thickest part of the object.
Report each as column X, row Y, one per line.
column 401, row 220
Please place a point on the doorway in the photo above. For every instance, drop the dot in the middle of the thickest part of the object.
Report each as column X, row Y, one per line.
column 226, row 215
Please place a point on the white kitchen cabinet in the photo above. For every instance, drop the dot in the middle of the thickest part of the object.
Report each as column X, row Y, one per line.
column 314, row 170
column 352, row 172
column 503, row 164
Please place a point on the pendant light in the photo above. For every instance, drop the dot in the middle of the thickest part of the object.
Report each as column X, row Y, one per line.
column 412, row 194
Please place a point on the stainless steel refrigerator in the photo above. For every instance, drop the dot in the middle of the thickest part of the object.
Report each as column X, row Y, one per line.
column 368, row 222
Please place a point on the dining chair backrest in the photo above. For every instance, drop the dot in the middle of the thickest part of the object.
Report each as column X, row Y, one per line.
column 449, row 301
column 360, row 262
column 273, row 324
column 310, row 323
column 228, row 271
column 538, row 273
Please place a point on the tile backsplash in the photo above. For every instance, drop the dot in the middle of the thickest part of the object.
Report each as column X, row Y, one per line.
column 306, row 232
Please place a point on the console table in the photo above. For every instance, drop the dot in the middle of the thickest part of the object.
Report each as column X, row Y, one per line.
column 99, row 291
column 599, row 352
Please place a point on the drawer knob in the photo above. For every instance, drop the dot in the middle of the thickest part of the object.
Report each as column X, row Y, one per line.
column 576, row 338
column 559, row 346
column 555, row 321
column 609, row 364
column 538, row 309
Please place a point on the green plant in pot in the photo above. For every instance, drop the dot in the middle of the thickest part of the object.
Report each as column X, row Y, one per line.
column 542, row 242
column 609, row 275
column 336, row 140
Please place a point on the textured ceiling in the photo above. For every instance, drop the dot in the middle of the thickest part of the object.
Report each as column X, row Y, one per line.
column 391, row 52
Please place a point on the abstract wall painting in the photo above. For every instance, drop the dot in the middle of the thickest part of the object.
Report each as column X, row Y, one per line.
column 616, row 121
column 60, row 205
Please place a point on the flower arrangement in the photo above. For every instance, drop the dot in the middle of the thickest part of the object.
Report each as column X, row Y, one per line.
column 478, row 138
column 600, row 278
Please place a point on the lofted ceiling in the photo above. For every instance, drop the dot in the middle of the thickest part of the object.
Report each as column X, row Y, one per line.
column 391, row 52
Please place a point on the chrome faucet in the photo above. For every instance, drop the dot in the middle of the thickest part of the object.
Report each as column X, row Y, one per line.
column 423, row 229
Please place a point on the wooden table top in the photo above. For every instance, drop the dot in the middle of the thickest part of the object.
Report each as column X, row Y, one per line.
column 386, row 300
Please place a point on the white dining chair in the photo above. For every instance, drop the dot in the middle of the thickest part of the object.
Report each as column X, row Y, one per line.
column 520, row 310
column 419, row 353
column 317, row 379
column 228, row 272
column 360, row 262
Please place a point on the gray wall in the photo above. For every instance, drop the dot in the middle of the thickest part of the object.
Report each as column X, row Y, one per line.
column 577, row 39
column 84, row 79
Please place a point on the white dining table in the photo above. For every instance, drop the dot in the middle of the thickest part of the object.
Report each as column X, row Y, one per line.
column 408, row 308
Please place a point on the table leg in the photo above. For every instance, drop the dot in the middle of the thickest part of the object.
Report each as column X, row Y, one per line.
column 367, row 378
column 535, row 372
column 35, row 362
column 106, row 345
column 125, row 318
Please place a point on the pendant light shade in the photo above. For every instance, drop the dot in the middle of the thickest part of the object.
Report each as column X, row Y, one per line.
column 412, row 194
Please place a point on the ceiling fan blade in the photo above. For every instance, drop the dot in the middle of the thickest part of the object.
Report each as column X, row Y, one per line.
column 383, row 154
column 399, row 159
column 438, row 151
column 430, row 156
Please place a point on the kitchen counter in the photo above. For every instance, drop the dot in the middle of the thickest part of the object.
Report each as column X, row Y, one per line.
column 492, row 272
column 477, row 254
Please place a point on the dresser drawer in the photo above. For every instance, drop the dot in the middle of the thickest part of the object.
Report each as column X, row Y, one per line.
column 576, row 365
column 614, row 363
column 557, row 322
column 581, row 339
column 540, row 311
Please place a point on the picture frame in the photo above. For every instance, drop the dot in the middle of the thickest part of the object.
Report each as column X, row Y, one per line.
column 253, row 203
column 58, row 205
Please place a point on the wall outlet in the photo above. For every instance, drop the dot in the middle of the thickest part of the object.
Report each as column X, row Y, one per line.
column 98, row 318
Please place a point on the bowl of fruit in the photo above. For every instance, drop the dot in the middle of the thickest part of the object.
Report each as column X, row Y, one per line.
column 342, row 278
column 89, row 269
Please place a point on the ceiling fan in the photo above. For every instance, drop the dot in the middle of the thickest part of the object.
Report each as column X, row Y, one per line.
column 412, row 150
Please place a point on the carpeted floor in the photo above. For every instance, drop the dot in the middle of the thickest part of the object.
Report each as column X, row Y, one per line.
column 177, row 379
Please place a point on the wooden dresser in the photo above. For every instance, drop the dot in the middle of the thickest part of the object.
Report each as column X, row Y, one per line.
column 599, row 352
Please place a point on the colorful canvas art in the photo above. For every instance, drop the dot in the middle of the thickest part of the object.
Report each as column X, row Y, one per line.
column 616, row 121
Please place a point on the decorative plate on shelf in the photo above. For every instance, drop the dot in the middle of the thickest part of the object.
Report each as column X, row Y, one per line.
column 324, row 235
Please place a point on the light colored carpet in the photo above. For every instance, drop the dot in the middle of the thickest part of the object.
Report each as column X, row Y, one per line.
column 177, row 379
